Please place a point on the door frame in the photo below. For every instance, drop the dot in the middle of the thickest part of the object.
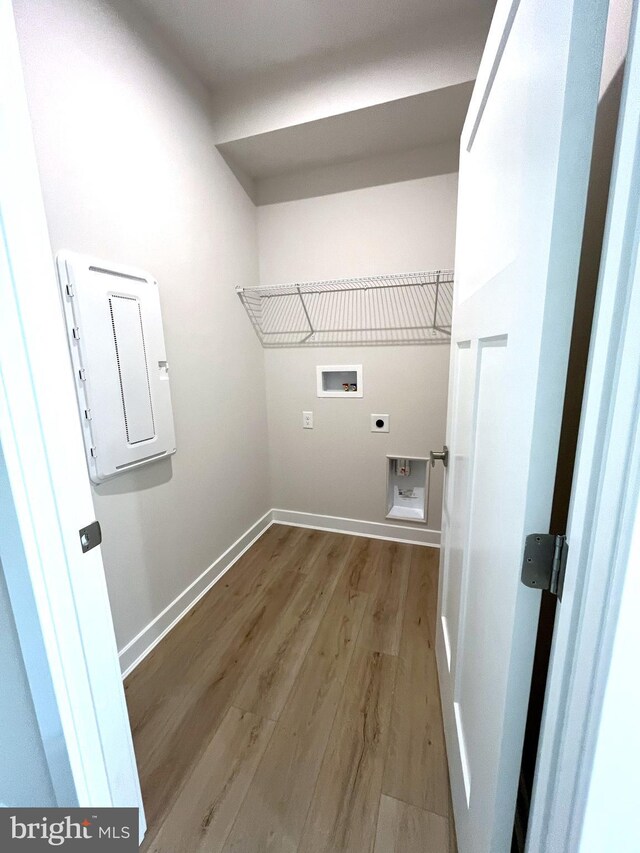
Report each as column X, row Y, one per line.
column 46, row 486
column 605, row 499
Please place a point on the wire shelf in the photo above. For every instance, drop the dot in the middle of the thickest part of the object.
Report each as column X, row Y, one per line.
column 405, row 308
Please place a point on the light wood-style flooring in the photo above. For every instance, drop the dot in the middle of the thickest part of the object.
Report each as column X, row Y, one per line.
column 295, row 709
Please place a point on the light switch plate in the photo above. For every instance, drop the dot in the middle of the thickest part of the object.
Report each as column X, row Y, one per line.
column 380, row 423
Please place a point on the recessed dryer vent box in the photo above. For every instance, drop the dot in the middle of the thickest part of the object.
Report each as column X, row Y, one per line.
column 116, row 341
column 339, row 380
column 407, row 487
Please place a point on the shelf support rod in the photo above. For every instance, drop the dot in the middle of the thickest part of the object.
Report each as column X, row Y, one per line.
column 306, row 314
column 291, row 291
column 435, row 305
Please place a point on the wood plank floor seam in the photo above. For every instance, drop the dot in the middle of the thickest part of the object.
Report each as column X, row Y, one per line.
column 254, row 694
column 245, row 845
column 311, row 799
column 393, row 695
column 321, row 784
column 427, row 811
column 404, row 828
column 305, row 657
column 242, row 801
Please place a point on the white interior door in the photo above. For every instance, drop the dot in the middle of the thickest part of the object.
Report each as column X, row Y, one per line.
column 525, row 156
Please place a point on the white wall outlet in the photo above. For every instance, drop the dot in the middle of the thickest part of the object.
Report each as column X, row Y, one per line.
column 307, row 420
column 380, row 423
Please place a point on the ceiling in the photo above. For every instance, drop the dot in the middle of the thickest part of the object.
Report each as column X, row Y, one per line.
column 389, row 82
column 225, row 41
column 430, row 118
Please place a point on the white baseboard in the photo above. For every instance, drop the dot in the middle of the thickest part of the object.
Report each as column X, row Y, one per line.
column 356, row 527
column 137, row 649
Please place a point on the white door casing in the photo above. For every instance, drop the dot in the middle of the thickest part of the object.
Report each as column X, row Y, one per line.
column 524, row 166
column 604, row 504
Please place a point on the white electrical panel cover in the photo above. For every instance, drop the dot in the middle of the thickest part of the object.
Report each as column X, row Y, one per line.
column 116, row 341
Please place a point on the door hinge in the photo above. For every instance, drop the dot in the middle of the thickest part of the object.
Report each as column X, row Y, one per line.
column 544, row 562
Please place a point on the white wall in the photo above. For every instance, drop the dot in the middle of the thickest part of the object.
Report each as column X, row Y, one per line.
column 34, row 763
column 358, row 174
column 130, row 173
column 24, row 773
column 338, row 468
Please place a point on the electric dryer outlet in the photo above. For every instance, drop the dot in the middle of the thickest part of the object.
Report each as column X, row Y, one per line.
column 380, row 423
